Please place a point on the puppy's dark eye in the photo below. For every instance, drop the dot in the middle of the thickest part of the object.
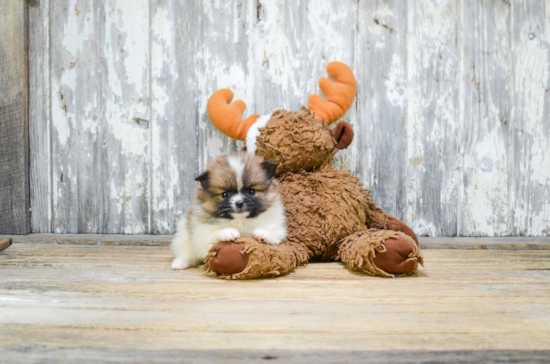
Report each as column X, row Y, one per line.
column 225, row 194
column 252, row 191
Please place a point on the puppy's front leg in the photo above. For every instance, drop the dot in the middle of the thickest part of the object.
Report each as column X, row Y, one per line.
column 183, row 249
column 228, row 234
column 267, row 236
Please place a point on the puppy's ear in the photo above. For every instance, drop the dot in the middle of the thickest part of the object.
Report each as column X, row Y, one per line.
column 203, row 179
column 269, row 168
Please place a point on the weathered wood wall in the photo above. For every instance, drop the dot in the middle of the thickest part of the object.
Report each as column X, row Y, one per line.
column 452, row 114
column 14, row 122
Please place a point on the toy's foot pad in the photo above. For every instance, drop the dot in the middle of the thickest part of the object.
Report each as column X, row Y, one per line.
column 398, row 258
column 228, row 258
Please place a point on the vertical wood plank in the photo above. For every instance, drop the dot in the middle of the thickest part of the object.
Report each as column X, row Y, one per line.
column 125, row 135
column 222, row 62
column 293, row 43
column 381, row 101
column 280, row 51
column 486, row 79
column 197, row 48
column 99, row 55
column 332, row 27
column 76, row 116
column 14, row 137
column 431, row 177
column 39, row 118
column 174, row 114
column 531, row 118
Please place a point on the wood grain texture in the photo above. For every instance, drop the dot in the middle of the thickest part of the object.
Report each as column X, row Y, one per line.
column 333, row 26
column 222, row 62
column 431, row 177
column 27, row 354
column 126, row 299
column 486, row 146
column 14, row 123
column 381, row 102
column 76, row 116
column 460, row 243
column 125, row 139
column 99, row 94
column 40, row 118
column 451, row 115
column 99, row 239
column 174, row 114
column 530, row 189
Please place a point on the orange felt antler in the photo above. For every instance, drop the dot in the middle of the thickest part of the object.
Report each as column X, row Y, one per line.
column 339, row 94
column 228, row 118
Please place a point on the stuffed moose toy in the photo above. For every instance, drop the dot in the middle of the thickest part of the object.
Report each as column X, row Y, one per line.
column 330, row 216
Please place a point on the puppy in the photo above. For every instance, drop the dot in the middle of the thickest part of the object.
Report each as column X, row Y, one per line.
column 237, row 196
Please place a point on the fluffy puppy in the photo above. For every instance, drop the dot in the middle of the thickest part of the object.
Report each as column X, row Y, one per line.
column 237, row 196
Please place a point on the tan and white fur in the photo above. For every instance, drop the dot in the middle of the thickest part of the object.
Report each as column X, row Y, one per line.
column 237, row 196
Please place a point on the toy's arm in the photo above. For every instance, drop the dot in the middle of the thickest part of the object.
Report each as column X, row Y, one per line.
column 246, row 258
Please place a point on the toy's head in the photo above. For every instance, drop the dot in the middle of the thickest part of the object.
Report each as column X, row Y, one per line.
column 295, row 140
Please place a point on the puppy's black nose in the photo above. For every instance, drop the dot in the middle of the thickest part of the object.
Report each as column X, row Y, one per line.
column 239, row 204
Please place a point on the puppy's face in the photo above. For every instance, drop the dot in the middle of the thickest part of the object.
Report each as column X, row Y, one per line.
column 237, row 186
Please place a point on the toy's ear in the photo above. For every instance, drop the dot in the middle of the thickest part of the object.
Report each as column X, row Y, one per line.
column 203, row 179
column 343, row 134
column 269, row 168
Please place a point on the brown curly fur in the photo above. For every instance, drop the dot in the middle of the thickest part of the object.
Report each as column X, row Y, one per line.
column 296, row 141
column 324, row 207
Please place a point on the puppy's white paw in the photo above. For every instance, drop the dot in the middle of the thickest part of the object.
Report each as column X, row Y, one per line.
column 229, row 234
column 180, row 263
column 265, row 236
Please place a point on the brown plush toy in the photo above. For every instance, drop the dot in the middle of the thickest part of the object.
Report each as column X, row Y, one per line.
column 329, row 213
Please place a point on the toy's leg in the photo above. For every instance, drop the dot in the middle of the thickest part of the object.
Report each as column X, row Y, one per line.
column 380, row 253
column 247, row 258
column 397, row 225
column 377, row 218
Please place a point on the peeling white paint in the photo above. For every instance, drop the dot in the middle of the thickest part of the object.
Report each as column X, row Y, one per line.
column 395, row 82
column 76, row 25
column 276, row 55
column 131, row 136
column 487, row 186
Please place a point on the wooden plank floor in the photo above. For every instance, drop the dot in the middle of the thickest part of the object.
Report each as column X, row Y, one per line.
column 123, row 303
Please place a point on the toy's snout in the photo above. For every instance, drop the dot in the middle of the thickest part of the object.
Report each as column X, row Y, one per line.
column 342, row 134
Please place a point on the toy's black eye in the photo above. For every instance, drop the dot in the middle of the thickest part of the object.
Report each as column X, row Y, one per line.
column 225, row 194
column 252, row 191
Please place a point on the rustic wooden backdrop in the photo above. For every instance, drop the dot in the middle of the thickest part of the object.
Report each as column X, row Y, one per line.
column 452, row 115
column 14, row 128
